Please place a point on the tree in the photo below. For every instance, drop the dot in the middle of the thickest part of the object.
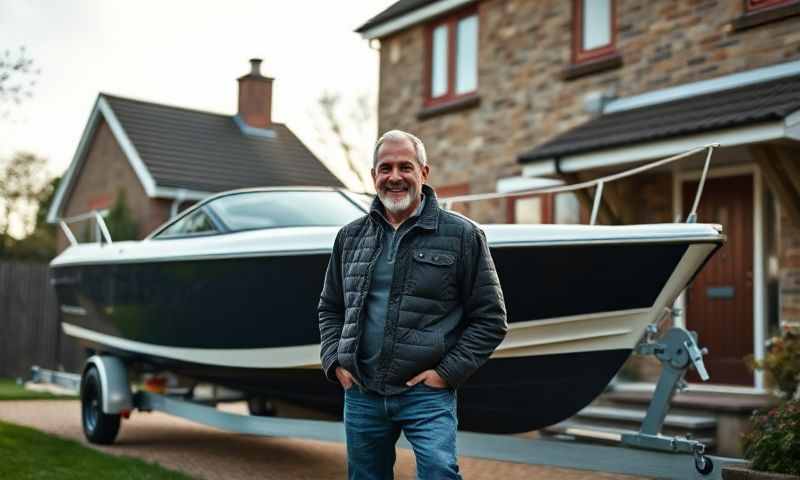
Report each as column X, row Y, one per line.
column 120, row 222
column 41, row 243
column 354, row 137
column 17, row 78
column 23, row 183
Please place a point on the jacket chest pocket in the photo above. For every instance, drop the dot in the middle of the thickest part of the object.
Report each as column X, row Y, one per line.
column 432, row 274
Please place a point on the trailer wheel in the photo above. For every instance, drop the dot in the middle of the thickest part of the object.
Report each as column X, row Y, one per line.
column 98, row 427
column 260, row 407
column 703, row 465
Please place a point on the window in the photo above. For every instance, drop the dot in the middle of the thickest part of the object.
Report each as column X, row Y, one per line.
column 760, row 12
column 253, row 210
column 530, row 210
column 195, row 223
column 755, row 5
column 594, row 35
column 455, row 190
column 452, row 58
column 560, row 208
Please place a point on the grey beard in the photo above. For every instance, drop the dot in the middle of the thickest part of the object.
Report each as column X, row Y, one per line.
column 399, row 205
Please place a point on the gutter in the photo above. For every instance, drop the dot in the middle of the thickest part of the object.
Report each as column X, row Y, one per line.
column 411, row 18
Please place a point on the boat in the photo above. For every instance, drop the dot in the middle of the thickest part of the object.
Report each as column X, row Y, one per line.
column 227, row 292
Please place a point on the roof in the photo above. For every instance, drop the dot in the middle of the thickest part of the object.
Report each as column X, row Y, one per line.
column 208, row 152
column 395, row 10
column 749, row 104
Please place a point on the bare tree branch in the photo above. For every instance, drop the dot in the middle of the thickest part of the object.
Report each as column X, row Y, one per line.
column 17, row 78
column 360, row 118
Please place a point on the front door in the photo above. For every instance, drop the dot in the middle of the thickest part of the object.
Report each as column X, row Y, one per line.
column 719, row 302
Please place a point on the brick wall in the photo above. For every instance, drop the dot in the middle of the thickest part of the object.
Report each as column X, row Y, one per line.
column 104, row 172
column 525, row 46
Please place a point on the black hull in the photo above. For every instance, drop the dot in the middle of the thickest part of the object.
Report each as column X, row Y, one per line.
column 266, row 302
column 507, row 395
column 270, row 302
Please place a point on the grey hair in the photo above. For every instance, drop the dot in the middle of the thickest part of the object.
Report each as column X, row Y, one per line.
column 419, row 147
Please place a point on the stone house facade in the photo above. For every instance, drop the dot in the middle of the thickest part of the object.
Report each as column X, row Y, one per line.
column 562, row 76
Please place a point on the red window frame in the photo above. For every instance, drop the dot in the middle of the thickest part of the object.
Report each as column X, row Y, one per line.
column 547, row 206
column 579, row 55
column 756, row 5
column 452, row 23
column 455, row 190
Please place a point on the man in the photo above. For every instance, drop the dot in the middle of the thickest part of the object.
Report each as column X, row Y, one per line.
column 411, row 307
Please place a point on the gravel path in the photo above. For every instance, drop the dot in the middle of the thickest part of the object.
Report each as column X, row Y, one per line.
column 208, row 453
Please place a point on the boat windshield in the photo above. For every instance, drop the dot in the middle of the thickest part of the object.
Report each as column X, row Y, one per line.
column 271, row 209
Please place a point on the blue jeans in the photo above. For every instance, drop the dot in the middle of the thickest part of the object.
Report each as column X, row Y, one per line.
column 427, row 417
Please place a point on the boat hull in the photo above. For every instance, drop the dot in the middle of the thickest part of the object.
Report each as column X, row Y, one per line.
column 250, row 322
column 506, row 395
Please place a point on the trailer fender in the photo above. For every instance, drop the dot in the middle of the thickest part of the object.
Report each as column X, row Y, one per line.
column 116, row 390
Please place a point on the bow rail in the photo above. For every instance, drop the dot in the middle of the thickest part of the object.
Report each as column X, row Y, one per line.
column 599, row 183
column 100, row 224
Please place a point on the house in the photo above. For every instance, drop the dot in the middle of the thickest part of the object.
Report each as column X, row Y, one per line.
column 164, row 158
column 505, row 92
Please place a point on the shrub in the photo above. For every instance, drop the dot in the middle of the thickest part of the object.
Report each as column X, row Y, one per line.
column 120, row 221
column 774, row 443
column 782, row 362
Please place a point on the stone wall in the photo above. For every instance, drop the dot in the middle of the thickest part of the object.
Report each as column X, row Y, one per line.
column 525, row 47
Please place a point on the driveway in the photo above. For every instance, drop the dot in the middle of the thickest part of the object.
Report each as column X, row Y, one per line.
column 208, row 453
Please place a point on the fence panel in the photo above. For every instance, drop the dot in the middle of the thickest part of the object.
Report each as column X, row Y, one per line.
column 30, row 330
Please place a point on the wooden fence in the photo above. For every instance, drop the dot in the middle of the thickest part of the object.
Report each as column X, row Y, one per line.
column 30, row 330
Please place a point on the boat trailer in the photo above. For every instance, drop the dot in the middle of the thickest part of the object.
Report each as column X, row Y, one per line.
column 106, row 395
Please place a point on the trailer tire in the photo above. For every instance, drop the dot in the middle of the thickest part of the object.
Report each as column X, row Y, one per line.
column 259, row 406
column 98, row 427
column 704, row 465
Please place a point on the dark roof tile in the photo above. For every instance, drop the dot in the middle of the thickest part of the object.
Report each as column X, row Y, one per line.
column 205, row 151
column 745, row 105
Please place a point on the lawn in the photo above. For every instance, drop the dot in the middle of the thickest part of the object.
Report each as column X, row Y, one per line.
column 30, row 454
column 9, row 390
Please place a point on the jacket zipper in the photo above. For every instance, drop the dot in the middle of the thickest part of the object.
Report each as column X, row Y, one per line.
column 364, row 289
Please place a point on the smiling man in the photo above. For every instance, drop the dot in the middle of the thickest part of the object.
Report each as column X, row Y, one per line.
column 410, row 308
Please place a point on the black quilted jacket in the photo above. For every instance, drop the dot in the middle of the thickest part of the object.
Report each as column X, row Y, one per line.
column 442, row 263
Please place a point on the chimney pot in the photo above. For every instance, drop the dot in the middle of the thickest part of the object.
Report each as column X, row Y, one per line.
column 255, row 66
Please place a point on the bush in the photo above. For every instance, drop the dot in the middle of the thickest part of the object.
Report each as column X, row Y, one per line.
column 782, row 363
column 120, row 221
column 774, row 443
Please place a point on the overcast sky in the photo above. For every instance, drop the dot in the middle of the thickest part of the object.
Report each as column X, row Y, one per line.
column 183, row 53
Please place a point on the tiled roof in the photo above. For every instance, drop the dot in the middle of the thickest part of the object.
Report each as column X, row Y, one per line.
column 208, row 152
column 745, row 105
column 397, row 9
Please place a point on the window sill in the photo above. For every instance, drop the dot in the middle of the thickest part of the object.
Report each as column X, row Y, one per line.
column 767, row 15
column 577, row 70
column 462, row 103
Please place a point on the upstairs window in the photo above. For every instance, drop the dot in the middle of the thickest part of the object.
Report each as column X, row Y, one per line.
column 760, row 12
column 758, row 5
column 452, row 57
column 594, row 35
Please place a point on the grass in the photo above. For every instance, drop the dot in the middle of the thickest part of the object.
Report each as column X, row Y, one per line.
column 9, row 390
column 28, row 454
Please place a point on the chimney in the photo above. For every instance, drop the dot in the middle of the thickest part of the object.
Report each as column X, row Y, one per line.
column 255, row 97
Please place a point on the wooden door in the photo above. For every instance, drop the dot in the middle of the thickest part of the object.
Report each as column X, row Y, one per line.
column 719, row 302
